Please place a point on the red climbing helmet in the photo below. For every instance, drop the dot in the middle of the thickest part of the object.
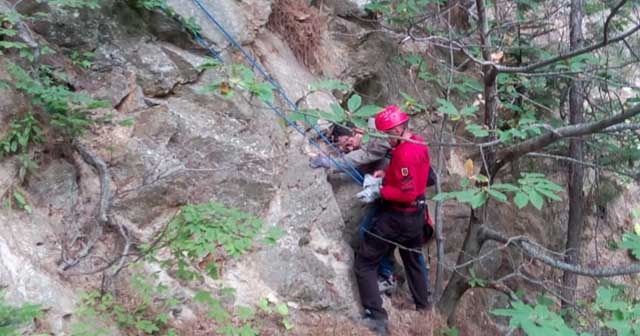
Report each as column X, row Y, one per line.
column 390, row 117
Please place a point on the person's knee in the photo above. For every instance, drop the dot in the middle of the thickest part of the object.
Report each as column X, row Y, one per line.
column 363, row 265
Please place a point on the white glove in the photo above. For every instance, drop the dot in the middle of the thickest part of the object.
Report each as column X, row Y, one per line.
column 369, row 181
column 369, row 194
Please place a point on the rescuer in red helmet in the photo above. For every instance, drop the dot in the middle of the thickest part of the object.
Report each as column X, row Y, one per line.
column 400, row 221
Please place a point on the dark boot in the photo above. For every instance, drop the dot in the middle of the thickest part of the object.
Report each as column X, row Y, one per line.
column 379, row 326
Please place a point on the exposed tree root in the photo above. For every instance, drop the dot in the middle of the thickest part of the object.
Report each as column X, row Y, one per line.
column 102, row 210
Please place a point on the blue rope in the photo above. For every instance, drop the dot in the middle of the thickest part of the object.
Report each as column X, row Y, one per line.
column 204, row 44
column 354, row 173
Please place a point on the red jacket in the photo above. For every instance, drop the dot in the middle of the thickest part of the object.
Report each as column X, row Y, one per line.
column 406, row 176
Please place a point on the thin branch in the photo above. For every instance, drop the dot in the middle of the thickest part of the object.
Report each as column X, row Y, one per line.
column 621, row 127
column 532, row 250
column 514, row 152
column 563, row 56
column 587, row 164
column 631, row 50
column 531, row 67
column 564, row 158
column 614, row 10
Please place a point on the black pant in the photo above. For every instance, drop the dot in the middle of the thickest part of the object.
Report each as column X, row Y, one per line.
column 405, row 229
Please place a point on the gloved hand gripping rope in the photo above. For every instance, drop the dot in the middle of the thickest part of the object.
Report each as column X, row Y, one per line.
column 371, row 189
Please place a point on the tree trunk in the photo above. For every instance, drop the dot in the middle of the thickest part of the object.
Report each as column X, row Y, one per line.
column 459, row 14
column 459, row 283
column 489, row 75
column 576, row 172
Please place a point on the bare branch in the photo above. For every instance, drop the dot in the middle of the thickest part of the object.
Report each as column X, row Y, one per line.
column 631, row 50
column 533, row 250
column 564, row 56
column 621, row 127
column 587, row 164
column 516, row 151
column 614, row 10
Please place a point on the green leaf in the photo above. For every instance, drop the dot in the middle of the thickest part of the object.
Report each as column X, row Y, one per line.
column 360, row 123
column 549, row 194
column 203, row 297
column 521, row 199
column 147, row 326
column 245, row 313
column 505, row 187
column 367, row 111
column 469, row 110
column 263, row 304
column 443, row 196
column 282, row 309
column 228, row 292
column 631, row 242
column 287, row 324
column 210, row 63
column 447, row 107
column 162, row 318
column 338, row 111
column 354, row 102
column 477, row 130
column 497, row 195
column 273, row 235
column 479, row 199
column 248, row 330
column 536, row 199
column 264, row 92
column 8, row 32
column 466, row 196
column 19, row 198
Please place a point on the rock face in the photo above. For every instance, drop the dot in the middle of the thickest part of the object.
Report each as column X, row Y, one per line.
column 168, row 144
column 310, row 266
column 242, row 19
column 27, row 267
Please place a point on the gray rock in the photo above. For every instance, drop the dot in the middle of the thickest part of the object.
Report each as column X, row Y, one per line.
column 195, row 148
column 301, row 277
column 27, row 267
column 158, row 72
column 113, row 86
column 54, row 186
column 311, row 264
column 12, row 101
column 243, row 19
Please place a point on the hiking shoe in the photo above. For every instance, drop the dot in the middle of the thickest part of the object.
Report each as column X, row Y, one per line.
column 379, row 326
column 387, row 284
